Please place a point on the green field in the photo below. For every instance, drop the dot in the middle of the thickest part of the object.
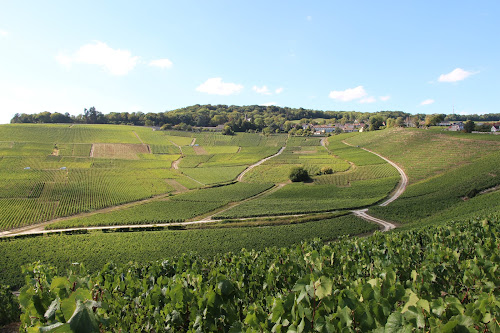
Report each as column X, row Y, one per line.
column 306, row 198
column 439, row 279
column 175, row 209
column 50, row 171
column 446, row 173
column 97, row 248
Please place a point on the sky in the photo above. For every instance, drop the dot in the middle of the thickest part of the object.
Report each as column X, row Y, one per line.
column 153, row 56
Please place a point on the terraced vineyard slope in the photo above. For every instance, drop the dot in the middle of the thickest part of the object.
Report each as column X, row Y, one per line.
column 451, row 176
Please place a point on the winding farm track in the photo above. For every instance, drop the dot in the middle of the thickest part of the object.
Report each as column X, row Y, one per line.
column 241, row 175
column 39, row 228
column 386, row 225
column 362, row 213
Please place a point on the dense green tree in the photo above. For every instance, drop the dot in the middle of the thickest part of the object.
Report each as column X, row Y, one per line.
column 400, row 122
column 298, row 174
column 434, row 119
column 469, row 126
column 227, row 130
column 375, row 123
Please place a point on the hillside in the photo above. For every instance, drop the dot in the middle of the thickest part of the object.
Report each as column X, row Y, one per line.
column 452, row 176
column 440, row 279
column 158, row 194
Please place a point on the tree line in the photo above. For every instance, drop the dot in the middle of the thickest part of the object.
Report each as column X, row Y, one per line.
column 241, row 118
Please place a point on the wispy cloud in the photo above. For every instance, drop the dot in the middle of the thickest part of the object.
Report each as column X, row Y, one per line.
column 115, row 61
column 261, row 90
column 264, row 90
column 370, row 99
column 3, row 33
column 161, row 63
column 384, row 98
column 458, row 74
column 215, row 86
column 427, row 102
column 309, row 18
column 348, row 94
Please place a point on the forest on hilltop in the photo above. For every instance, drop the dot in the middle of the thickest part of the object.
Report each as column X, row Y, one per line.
column 238, row 118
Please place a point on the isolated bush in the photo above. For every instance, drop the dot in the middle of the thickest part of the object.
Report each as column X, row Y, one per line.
column 326, row 170
column 298, row 174
column 227, row 131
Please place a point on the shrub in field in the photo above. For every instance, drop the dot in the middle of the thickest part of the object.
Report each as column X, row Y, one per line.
column 326, row 170
column 298, row 174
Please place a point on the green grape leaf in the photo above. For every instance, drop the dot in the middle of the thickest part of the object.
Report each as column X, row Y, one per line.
column 323, row 287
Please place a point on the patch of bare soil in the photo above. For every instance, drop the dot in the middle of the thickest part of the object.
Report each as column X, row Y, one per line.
column 178, row 187
column 200, row 150
column 304, row 152
column 127, row 151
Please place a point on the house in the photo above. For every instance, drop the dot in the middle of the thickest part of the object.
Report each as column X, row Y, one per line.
column 305, row 126
column 322, row 129
column 218, row 128
column 348, row 128
column 456, row 127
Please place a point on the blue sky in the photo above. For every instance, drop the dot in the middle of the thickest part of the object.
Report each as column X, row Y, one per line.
column 153, row 56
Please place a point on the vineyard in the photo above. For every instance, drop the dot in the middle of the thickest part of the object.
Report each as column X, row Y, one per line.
column 447, row 174
column 95, row 249
column 176, row 209
column 305, row 198
column 52, row 171
column 431, row 274
column 440, row 279
column 424, row 154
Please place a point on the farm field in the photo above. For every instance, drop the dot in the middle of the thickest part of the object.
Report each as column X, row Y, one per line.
column 60, row 179
column 95, row 249
column 424, row 154
column 428, row 279
column 51, row 171
column 305, row 198
column 447, row 174
column 175, row 209
column 313, row 157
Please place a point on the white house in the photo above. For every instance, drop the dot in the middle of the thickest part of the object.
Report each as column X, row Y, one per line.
column 456, row 127
column 322, row 129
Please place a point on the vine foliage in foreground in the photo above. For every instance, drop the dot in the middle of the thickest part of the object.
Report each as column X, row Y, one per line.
column 440, row 279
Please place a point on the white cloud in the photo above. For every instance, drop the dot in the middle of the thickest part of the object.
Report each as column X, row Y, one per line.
column 370, row 99
column 384, row 98
column 215, row 86
column 162, row 63
column 309, row 18
column 3, row 33
column 458, row 74
column 427, row 102
column 269, row 104
column 348, row 94
column 115, row 61
column 262, row 90
column 279, row 90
